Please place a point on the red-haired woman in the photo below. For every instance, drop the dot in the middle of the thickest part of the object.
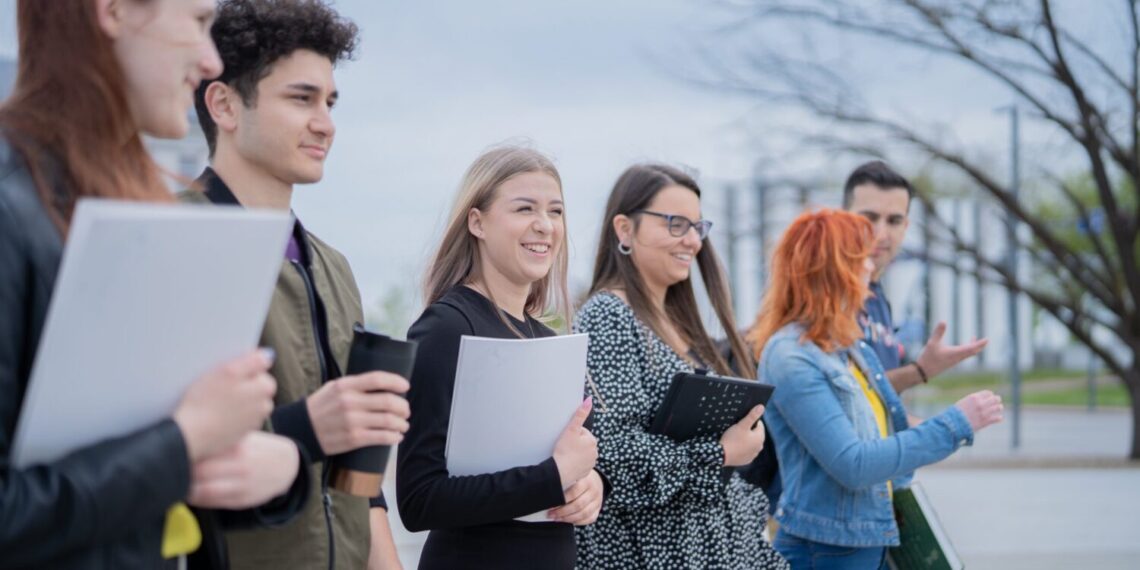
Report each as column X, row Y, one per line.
column 840, row 430
column 94, row 75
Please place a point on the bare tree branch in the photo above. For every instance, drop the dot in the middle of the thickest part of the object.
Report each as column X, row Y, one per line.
column 1063, row 81
column 1096, row 282
column 1086, row 217
column 1123, row 231
column 1070, row 305
column 934, row 220
column 1070, row 319
column 1097, row 60
column 1090, row 132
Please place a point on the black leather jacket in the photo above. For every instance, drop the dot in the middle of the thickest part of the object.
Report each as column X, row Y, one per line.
column 99, row 507
column 103, row 506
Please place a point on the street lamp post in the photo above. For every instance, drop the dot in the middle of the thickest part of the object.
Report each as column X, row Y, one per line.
column 1011, row 267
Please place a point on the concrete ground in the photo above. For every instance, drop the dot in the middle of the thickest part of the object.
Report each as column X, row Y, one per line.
column 1066, row 499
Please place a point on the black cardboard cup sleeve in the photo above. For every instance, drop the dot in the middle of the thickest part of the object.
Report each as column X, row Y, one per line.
column 360, row 472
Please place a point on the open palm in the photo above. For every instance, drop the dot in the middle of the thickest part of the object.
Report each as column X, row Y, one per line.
column 937, row 357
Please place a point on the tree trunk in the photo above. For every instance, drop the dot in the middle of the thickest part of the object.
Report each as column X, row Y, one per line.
column 1132, row 383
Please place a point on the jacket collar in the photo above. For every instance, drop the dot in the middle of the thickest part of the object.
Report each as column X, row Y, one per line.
column 856, row 356
column 218, row 192
column 215, row 189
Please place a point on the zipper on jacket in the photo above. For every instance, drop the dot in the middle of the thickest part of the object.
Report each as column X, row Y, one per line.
column 309, row 289
column 326, row 499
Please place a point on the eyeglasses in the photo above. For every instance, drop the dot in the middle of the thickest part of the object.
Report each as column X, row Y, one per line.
column 679, row 225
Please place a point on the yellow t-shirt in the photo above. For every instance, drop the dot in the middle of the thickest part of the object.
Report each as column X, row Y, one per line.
column 877, row 406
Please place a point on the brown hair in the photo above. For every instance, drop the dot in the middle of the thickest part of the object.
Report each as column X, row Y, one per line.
column 634, row 190
column 69, row 105
column 457, row 259
column 817, row 280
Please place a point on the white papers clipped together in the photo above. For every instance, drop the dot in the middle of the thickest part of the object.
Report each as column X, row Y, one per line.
column 149, row 297
column 512, row 400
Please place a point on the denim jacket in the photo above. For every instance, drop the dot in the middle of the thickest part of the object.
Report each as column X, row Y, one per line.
column 833, row 461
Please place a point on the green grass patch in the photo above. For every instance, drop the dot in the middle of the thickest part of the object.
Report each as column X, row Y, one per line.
column 1109, row 396
column 989, row 378
column 1038, row 387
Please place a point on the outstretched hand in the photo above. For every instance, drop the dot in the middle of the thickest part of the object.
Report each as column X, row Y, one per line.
column 937, row 357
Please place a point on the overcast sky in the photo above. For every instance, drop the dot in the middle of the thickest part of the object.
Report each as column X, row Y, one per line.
column 591, row 82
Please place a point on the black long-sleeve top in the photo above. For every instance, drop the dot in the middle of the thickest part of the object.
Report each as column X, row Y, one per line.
column 471, row 517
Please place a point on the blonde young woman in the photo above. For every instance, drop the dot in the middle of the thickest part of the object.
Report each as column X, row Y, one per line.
column 501, row 263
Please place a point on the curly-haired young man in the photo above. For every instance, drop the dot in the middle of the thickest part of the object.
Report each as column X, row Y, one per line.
column 268, row 122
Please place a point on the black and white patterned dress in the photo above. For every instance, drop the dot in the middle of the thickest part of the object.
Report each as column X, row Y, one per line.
column 670, row 507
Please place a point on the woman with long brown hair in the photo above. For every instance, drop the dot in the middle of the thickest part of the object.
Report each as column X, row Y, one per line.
column 674, row 504
column 94, row 76
column 500, row 266
column 840, row 430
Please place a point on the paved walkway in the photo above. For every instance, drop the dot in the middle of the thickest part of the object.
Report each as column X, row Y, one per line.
column 1066, row 499
column 1012, row 519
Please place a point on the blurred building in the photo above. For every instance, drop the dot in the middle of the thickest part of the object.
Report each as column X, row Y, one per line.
column 756, row 215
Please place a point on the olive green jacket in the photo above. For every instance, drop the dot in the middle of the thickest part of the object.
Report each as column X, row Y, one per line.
column 292, row 328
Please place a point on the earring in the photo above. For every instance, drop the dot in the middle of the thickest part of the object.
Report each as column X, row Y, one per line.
column 624, row 249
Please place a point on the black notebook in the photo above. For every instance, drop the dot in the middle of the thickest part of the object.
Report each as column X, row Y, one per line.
column 698, row 404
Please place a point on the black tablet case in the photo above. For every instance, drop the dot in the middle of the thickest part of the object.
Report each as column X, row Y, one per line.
column 698, row 404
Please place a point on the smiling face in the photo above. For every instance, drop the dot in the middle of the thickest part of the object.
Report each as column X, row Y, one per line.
column 660, row 258
column 288, row 130
column 164, row 49
column 887, row 211
column 522, row 231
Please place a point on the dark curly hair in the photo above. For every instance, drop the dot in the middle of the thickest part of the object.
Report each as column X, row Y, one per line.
column 252, row 35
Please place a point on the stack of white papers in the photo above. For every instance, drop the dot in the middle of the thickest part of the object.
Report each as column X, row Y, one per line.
column 512, row 400
column 148, row 298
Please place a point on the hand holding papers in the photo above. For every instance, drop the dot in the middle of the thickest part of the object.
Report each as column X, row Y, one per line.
column 512, row 400
column 149, row 297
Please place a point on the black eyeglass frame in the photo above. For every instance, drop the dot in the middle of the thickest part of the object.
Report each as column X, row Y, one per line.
column 703, row 227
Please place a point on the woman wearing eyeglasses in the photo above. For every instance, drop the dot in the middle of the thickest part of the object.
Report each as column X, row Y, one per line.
column 671, row 506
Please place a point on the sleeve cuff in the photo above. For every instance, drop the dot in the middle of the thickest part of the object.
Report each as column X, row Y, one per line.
column 955, row 421
column 292, row 421
column 556, row 496
column 180, row 474
column 378, row 502
column 708, row 452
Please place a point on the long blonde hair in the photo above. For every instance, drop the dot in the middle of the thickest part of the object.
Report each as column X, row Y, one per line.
column 457, row 260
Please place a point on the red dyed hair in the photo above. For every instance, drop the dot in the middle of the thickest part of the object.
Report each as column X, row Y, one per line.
column 70, row 103
column 817, row 280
